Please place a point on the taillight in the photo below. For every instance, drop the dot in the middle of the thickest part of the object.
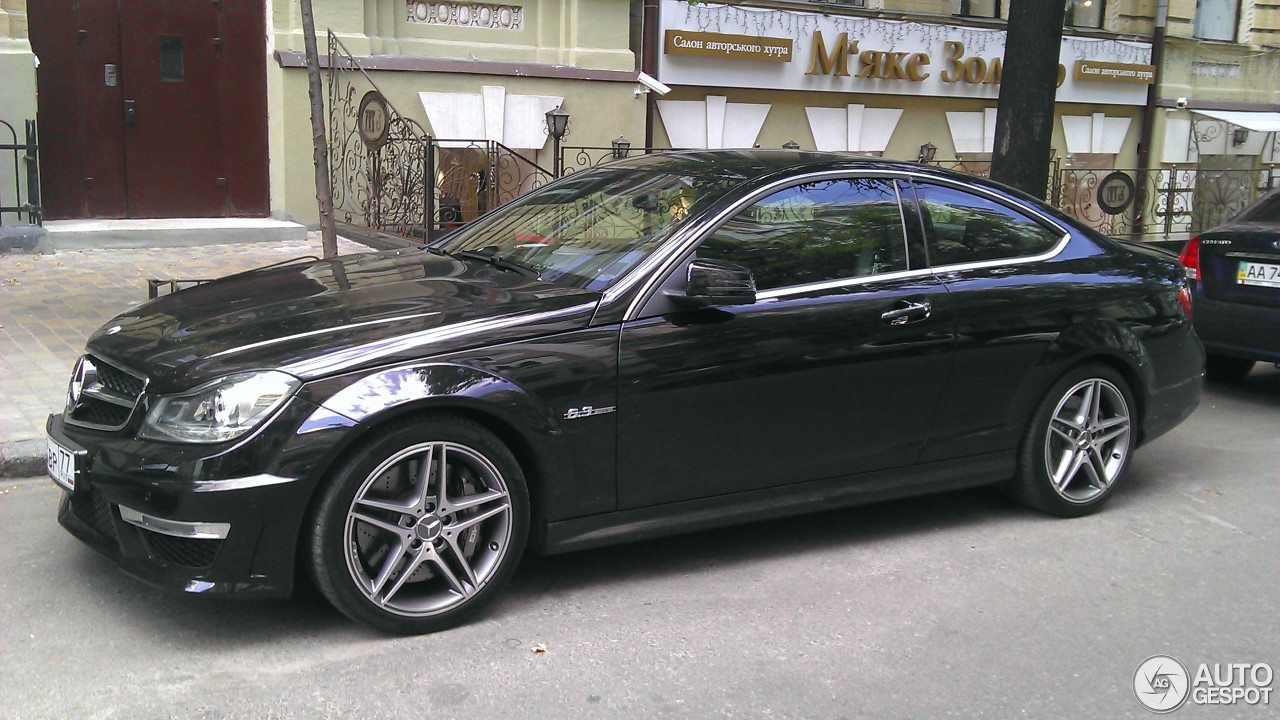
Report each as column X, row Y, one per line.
column 1184, row 299
column 1190, row 258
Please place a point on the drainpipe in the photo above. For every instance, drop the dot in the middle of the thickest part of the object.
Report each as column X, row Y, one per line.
column 1149, row 118
column 649, row 44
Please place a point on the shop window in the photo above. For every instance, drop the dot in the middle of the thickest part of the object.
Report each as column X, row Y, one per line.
column 1085, row 13
column 1217, row 19
column 964, row 228
column 976, row 8
column 815, row 232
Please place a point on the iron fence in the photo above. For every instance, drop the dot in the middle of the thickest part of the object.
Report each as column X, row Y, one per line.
column 23, row 171
column 414, row 185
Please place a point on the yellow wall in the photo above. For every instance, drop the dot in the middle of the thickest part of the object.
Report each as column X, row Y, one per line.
column 17, row 91
column 588, row 34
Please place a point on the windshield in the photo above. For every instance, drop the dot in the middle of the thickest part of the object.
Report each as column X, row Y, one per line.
column 591, row 228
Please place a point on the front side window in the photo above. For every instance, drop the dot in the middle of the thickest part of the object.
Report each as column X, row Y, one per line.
column 815, row 232
column 963, row 227
column 1217, row 19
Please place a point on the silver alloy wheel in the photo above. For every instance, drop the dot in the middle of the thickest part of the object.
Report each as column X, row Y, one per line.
column 1088, row 440
column 427, row 529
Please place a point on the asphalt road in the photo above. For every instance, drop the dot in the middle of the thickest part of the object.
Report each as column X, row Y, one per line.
column 961, row 605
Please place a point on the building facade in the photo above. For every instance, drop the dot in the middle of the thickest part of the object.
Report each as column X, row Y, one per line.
column 17, row 107
column 163, row 109
column 907, row 78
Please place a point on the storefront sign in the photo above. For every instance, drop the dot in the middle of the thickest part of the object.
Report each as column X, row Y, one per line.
column 1115, row 72
column 705, row 45
column 733, row 47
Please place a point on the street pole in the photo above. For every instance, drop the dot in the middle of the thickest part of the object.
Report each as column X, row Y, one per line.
column 324, row 190
column 1146, row 138
column 1028, row 87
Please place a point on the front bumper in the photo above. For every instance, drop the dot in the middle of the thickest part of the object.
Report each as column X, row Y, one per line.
column 158, row 512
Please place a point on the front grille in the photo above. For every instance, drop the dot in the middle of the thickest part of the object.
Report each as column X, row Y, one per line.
column 103, row 395
column 95, row 511
column 118, row 381
column 187, row 552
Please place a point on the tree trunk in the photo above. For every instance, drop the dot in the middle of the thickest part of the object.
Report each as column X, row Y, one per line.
column 324, row 190
column 1028, row 85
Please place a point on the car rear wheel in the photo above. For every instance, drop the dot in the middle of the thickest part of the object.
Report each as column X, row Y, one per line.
column 421, row 527
column 1079, row 443
column 1221, row 368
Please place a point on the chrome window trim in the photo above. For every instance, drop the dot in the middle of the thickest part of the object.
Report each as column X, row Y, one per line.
column 663, row 260
column 789, row 290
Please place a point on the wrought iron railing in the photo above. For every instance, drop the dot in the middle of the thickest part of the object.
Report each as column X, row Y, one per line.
column 383, row 186
column 23, row 170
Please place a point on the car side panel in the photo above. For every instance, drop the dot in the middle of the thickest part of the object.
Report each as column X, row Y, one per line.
column 1030, row 323
column 525, row 391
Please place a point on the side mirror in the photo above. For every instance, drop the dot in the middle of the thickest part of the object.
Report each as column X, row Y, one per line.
column 712, row 282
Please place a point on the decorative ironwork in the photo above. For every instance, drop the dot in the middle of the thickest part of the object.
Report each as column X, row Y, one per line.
column 383, row 188
column 25, row 164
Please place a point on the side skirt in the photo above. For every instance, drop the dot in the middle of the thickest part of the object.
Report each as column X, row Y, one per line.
column 769, row 503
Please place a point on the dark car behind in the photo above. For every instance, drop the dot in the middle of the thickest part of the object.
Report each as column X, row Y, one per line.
column 1234, row 271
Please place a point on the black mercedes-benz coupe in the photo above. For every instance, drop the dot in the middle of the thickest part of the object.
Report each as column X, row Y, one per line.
column 665, row 343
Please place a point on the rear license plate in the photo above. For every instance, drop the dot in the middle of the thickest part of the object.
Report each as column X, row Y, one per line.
column 1252, row 273
column 63, row 464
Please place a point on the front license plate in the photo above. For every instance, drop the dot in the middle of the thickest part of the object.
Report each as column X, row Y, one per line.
column 1252, row 273
column 64, row 465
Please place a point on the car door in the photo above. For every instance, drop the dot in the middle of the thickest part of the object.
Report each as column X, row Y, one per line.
column 835, row 369
column 1009, row 294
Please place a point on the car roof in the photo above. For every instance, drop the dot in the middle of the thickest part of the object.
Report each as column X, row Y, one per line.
column 758, row 162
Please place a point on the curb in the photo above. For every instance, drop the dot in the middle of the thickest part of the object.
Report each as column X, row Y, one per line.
column 24, row 458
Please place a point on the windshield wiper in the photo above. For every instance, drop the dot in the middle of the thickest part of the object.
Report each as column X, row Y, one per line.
column 491, row 255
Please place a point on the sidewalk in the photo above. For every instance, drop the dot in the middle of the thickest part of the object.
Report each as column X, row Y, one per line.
column 50, row 304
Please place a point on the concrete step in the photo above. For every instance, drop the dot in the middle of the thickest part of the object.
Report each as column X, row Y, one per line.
column 169, row 232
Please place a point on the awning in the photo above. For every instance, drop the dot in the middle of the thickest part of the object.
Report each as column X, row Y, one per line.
column 1255, row 121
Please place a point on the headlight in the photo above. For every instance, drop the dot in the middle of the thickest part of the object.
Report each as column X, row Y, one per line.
column 220, row 410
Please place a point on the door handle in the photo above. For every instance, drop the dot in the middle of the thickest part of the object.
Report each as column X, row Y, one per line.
column 907, row 312
column 131, row 112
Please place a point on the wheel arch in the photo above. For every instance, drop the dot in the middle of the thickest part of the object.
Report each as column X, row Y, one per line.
column 515, row 416
column 1111, row 344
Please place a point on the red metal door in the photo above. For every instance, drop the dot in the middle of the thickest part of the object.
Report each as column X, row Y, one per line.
column 81, row 129
column 152, row 108
column 170, row 65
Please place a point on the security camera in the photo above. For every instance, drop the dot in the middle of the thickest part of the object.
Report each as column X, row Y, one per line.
column 652, row 83
column 1181, row 103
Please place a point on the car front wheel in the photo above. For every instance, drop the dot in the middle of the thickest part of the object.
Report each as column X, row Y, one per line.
column 421, row 527
column 1079, row 443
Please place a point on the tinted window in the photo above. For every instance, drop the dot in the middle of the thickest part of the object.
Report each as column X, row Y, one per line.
column 966, row 228
column 1266, row 210
column 814, row 232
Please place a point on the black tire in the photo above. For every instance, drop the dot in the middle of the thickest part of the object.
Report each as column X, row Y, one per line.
column 1221, row 368
column 1061, row 490
column 429, row 563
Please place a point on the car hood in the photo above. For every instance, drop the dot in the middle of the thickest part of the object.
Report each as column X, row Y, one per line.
column 320, row 318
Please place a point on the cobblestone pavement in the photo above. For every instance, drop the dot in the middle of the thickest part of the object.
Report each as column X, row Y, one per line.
column 49, row 305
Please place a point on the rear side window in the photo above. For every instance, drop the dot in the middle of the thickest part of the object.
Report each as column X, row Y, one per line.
column 962, row 228
column 1266, row 210
column 815, row 232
